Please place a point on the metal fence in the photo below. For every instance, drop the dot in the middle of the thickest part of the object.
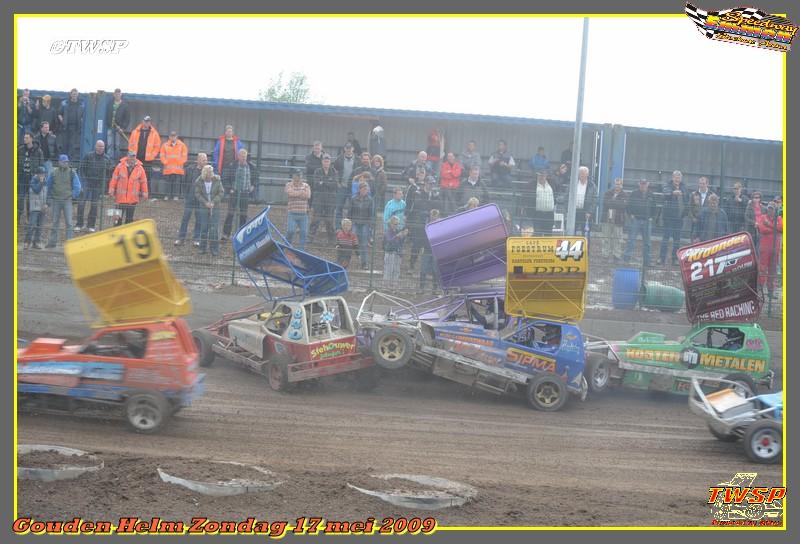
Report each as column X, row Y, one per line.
column 214, row 271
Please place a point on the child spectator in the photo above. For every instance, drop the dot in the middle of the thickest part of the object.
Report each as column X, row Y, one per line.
column 346, row 243
column 37, row 202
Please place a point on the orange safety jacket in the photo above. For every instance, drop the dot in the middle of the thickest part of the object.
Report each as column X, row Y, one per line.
column 153, row 142
column 173, row 157
column 126, row 189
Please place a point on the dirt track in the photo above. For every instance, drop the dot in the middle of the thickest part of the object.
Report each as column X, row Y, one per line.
column 625, row 458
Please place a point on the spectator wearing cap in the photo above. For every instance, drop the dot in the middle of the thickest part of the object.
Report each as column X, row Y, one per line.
column 128, row 185
column 118, row 119
column 501, row 163
column 539, row 161
column 29, row 159
column 95, row 170
column 190, row 203
column 37, row 206
column 48, row 144
column 345, row 165
column 323, row 197
column 63, row 185
column 314, row 159
column 243, row 185
column 174, row 155
column 145, row 142
column 70, row 118
column 640, row 211
column 298, row 193
column 224, row 157
column 362, row 214
column 450, row 182
column 46, row 113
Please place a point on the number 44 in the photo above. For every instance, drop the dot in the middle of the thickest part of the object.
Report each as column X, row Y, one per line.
column 565, row 250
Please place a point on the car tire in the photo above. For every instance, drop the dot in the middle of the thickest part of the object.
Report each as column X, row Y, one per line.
column 546, row 392
column 598, row 372
column 278, row 374
column 392, row 348
column 762, row 441
column 146, row 411
column 204, row 341
column 743, row 380
column 722, row 437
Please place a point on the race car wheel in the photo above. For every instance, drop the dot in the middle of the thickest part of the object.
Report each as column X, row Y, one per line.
column 722, row 437
column 598, row 372
column 546, row 392
column 762, row 441
column 204, row 340
column 392, row 348
column 278, row 374
column 744, row 384
column 146, row 411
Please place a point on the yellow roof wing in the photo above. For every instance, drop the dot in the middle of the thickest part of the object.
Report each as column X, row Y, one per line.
column 123, row 273
column 546, row 277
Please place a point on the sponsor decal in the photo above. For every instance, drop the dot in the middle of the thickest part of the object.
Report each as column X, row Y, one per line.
column 332, row 349
column 524, row 358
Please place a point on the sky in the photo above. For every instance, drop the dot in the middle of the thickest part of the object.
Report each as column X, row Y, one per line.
column 648, row 72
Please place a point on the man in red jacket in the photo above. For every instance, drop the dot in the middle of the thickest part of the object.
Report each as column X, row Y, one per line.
column 450, row 182
column 770, row 229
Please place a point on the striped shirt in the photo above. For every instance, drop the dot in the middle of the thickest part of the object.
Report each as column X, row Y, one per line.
column 544, row 198
column 298, row 197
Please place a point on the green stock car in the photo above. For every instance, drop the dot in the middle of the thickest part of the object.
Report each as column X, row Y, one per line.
column 737, row 352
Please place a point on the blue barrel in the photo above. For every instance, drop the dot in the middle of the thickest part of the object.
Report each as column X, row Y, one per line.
column 625, row 289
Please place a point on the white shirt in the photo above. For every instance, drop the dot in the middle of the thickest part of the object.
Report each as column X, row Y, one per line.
column 581, row 195
column 208, row 189
column 544, row 198
column 703, row 197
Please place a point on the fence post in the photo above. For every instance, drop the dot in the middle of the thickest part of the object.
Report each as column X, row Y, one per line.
column 372, row 249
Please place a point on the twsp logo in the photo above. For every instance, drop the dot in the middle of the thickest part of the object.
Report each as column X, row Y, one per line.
column 739, row 502
column 745, row 26
column 87, row 47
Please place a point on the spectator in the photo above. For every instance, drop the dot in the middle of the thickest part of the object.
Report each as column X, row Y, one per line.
column 393, row 238
column 421, row 163
column 471, row 204
column 346, row 243
column 209, row 192
column 539, row 161
column 585, row 199
column 345, row 166
column 351, row 139
column 713, row 220
column 239, row 197
column 752, row 216
column 25, row 114
column 544, row 205
column 190, row 203
column 562, row 180
column 428, row 267
column 699, row 200
column 395, row 208
column 735, row 206
column 770, row 228
column 362, row 213
column 29, row 159
column 145, row 142
column 37, row 204
column 566, row 156
column 434, row 150
column 473, row 186
column 500, row 165
column 95, row 171
column 314, row 159
column 70, row 119
column 118, row 118
column 299, row 193
column 365, row 167
column 48, row 145
column 470, row 158
column 426, row 200
column 703, row 191
column 63, row 185
column 128, row 185
column 413, row 189
column 450, row 182
column 174, row 155
column 614, row 203
column 377, row 142
column 363, row 177
column 46, row 113
column 323, row 195
column 381, row 181
column 224, row 158
column 675, row 199
column 640, row 211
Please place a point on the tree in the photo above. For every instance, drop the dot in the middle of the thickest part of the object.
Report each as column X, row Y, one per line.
column 295, row 91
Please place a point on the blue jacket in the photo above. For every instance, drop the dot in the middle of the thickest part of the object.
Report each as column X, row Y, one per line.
column 76, row 185
column 539, row 162
column 217, row 157
column 394, row 207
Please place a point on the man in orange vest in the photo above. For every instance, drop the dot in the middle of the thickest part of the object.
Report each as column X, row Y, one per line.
column 145, row 142
column 173, row 156
column 128, row 183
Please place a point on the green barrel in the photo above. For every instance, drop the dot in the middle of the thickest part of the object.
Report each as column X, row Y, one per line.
column 662, row 297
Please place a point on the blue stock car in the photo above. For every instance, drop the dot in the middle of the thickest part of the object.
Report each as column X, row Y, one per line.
column 468, row 338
